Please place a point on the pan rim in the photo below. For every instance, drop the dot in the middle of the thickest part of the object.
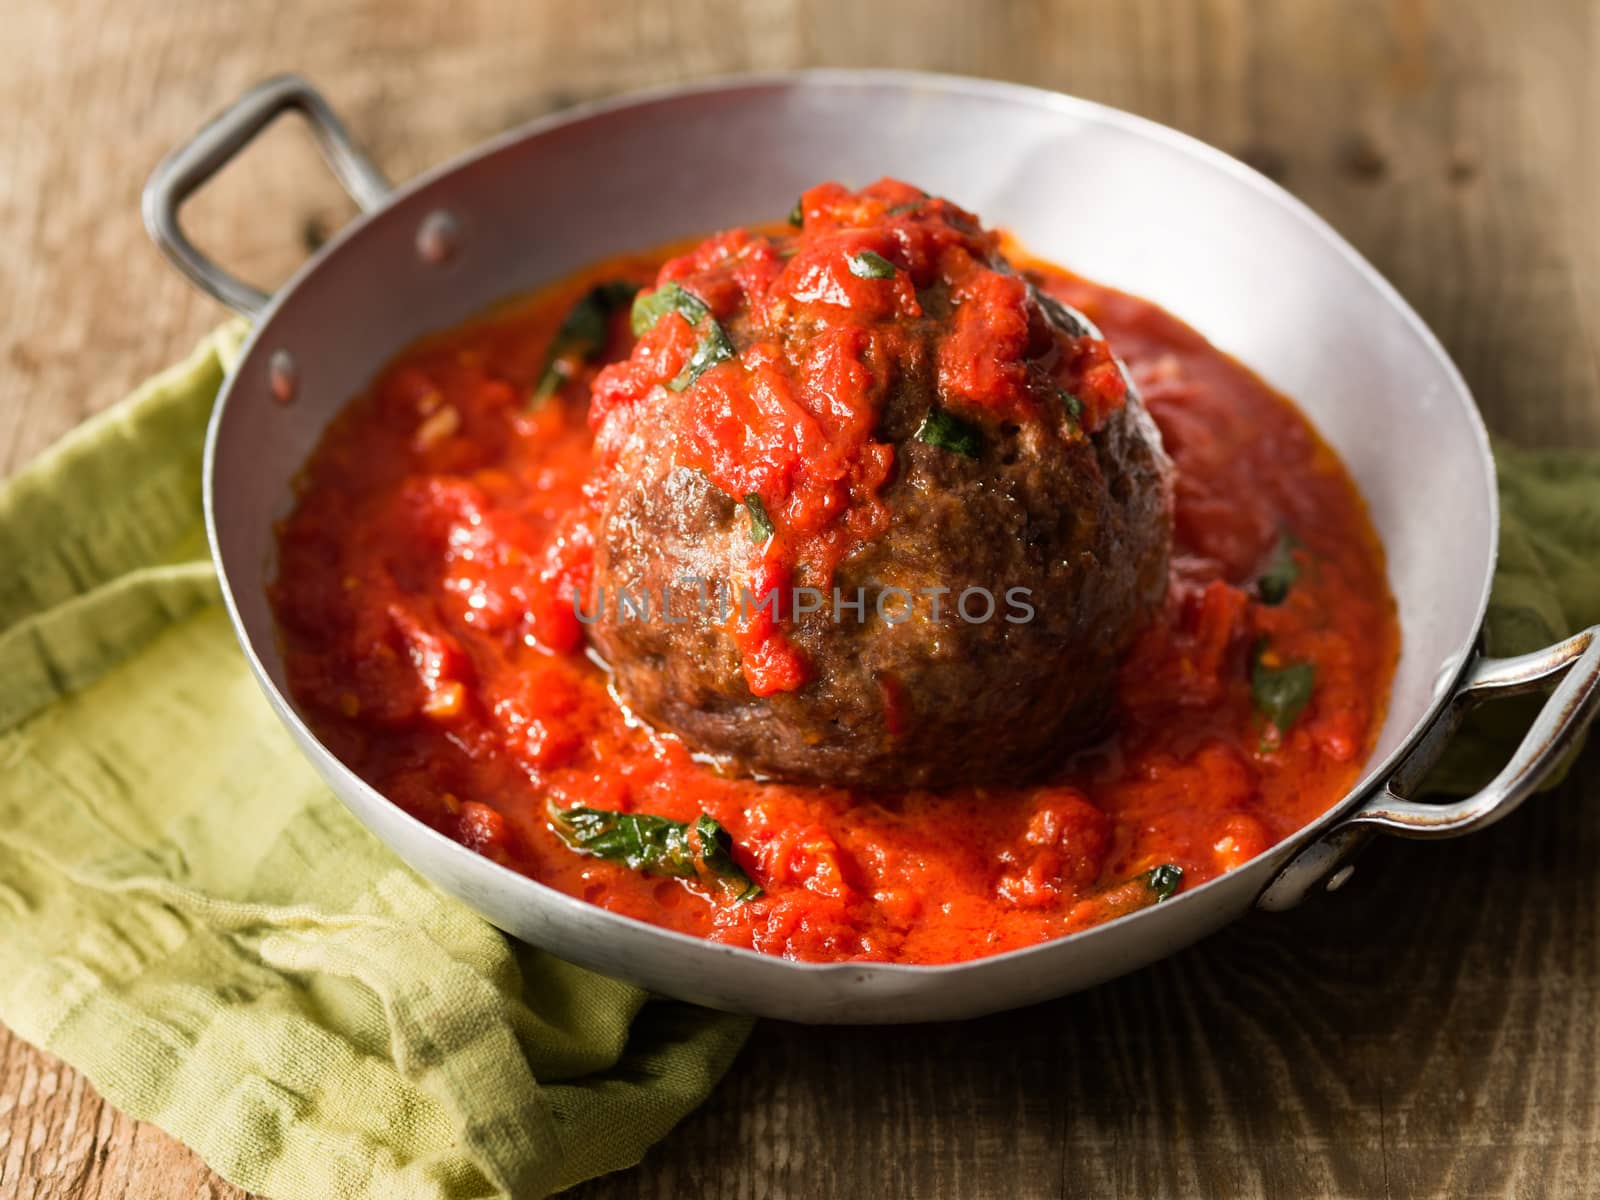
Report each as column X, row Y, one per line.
column 1375, row 772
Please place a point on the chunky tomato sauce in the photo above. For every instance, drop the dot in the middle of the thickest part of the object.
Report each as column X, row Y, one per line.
column 424, row 597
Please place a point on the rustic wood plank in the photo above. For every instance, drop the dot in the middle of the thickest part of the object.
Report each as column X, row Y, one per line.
column 1431, row 1030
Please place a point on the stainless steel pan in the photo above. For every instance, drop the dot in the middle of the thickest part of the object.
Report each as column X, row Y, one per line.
column 1154, row 212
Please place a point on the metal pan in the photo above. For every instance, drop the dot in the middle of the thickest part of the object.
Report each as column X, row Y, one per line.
column 1155, row 213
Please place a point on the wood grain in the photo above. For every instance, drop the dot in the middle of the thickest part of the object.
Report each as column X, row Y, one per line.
column 1429, row 1031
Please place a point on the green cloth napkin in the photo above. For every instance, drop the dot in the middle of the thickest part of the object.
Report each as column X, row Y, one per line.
column 190, row 918
column 1546, row 587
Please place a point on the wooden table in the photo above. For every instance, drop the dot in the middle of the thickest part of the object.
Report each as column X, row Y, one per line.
column 1430, row 1031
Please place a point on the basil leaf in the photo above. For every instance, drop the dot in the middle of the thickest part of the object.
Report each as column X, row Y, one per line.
column 1164, row 880
column 639, row 841
column 657, row 846
column 712, row 348
column 716, row 859
column 550, row 381
column 941, row 429
column 760, row 524
column 583, row 333
column 797, row 215
column 870, row 265
column 1281, row 693
column 650, row 307
column 1071, row 403
column 1281, row 571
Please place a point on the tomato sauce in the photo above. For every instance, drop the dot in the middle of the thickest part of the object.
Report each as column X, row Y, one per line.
column 424, row 599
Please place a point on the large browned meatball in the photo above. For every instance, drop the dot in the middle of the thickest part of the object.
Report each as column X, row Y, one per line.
column 870, row 509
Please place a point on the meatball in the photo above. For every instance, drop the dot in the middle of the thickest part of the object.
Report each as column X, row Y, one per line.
column 870, row 509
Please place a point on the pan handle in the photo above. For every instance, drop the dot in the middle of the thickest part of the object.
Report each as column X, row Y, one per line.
column 1568, row 711
column 183, row 171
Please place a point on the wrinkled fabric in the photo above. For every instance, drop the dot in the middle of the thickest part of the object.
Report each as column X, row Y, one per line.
column 1546, row 587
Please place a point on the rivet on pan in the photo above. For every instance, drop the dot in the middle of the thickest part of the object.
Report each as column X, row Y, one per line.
column 1340, row 877
column 283, row 376
column 438, row 237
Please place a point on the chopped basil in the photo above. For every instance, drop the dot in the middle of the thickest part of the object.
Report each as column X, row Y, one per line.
column 712, row 348
column 716, row 860
column 1164, row 880
column 797, row 215
column 650, row 307
column 760, row 524
column 941, row 429
column 1072, row 404
column 870, row 265
column 1281, row 693
column 1281, row 571
column 554, row 375
column 582, row 334
column 900, row 210
column 657, row 846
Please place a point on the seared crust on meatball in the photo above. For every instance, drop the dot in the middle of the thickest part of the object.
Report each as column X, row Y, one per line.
column 918, row 702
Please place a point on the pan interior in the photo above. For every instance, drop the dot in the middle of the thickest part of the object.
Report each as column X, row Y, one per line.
column 1117, row 199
